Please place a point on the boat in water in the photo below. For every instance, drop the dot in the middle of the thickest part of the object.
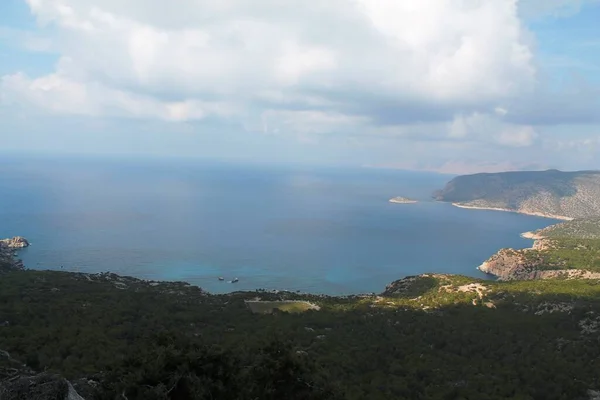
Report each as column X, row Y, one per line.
column 234, row 280
column 221, row 278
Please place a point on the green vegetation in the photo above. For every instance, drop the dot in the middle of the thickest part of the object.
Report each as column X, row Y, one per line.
column 581, row 254
column 588, row 228
column 430, row 337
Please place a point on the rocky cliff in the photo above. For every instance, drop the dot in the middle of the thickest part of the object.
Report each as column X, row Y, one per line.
column 528, row 264
column 549, row 193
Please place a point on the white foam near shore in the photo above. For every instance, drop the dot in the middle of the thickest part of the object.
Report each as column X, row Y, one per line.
column 536, row 214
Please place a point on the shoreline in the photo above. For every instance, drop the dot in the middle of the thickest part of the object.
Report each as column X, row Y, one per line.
column 535, row 214
column 525, row 235
column 532, row 235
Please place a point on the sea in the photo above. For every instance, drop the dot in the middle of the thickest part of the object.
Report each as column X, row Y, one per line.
column 325, row 230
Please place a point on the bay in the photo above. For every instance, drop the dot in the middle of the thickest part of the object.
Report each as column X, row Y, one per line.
column 314, row 229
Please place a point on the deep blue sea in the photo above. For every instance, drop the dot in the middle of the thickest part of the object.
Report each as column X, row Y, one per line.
column 320, row 230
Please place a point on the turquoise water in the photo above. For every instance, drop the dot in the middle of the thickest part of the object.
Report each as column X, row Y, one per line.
column 320, row 230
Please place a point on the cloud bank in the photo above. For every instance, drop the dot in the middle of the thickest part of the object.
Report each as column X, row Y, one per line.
column 432, row 69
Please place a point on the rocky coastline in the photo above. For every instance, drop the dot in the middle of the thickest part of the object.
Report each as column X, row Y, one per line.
column 527, row 264
column 8, row 254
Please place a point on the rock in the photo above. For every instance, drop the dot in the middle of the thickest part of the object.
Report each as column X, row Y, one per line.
column 38, row 387
column 306, row 328
column 549, row 308
column 589, row 325
column 321, row 337
column 510, row 264
column 489, row 304
column 8, row 261
column 17, row 242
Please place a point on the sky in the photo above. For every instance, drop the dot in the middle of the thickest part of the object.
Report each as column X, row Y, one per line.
column 455, row 86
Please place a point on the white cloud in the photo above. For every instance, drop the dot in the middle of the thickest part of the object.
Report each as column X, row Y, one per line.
column 57, row 94
column 381, row 77
column 439, row 53
column 519, row 136
column 490, row 128
column 308, row 122
column 501, row 111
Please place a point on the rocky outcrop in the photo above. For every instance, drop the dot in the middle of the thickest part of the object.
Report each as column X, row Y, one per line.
column 18, row 382
column 17, row 242
column 528, row 264
column 38, row 387
column 8, row 260
column 509, row 264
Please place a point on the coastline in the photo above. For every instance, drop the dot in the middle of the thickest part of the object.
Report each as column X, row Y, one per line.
column 535, row 214
column 484, row 267
column 532, row 236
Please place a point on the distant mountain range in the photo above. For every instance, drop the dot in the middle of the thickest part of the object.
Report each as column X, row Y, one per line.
column 551, row 193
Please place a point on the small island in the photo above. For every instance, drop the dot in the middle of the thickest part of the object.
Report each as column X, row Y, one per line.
column 402, row 200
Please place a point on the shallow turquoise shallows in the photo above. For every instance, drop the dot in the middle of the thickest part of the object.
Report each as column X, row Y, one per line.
column 320, row 230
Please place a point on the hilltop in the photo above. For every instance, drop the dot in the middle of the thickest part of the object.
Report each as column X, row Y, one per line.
column 552, row 193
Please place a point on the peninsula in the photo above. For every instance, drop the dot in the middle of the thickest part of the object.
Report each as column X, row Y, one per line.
column 402, row 200
column 553, row 194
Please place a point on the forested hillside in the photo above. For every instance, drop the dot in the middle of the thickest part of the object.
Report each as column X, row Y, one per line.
column 431, row 337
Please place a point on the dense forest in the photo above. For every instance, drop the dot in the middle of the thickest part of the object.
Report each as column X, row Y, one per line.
column 431, row 337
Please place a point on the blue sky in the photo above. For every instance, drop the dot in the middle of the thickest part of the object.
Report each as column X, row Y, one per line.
column 435, row 85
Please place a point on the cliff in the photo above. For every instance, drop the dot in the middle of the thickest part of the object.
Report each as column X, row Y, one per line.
column 566, row 258
column 551, row 193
